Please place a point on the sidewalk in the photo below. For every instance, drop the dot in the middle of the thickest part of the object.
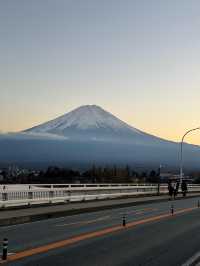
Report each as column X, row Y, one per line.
column 18, row 216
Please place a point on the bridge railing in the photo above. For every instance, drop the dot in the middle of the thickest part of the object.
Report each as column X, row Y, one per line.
column 31, row 194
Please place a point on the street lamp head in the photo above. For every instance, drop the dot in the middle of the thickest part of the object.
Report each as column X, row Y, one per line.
column 181, row 158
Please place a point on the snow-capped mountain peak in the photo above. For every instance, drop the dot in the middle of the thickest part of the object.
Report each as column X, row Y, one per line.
column 85, row 118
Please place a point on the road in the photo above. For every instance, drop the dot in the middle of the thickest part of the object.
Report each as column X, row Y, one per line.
column 152, row 236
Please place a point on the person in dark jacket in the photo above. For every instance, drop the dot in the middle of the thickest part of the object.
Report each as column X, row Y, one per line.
column 176, row 189
column 170, row 189
column 184, row 188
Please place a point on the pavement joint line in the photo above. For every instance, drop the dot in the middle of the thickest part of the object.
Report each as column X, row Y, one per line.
column 72, row 240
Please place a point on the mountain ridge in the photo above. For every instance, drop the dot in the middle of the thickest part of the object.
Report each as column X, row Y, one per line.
column 84, row 117
column 94, row 123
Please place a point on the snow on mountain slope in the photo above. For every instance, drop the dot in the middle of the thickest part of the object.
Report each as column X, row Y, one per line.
column 88, row 119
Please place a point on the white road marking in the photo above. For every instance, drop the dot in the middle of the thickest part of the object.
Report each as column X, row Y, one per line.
column 9, row 254
column 85, row 222
column 139, row 211
column 192, row 260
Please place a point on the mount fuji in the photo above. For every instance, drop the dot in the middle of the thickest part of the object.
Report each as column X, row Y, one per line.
column 90, row 134
column 91, row 122
column 86, row 121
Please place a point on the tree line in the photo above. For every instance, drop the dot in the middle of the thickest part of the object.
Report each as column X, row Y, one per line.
column 95, row 174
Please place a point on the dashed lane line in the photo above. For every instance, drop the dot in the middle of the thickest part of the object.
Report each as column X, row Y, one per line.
column 139, row 211
column 193, row 261
column 136, row 212
column 85, row 222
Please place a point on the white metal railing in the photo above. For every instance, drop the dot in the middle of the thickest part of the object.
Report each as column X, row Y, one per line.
column 16, row 195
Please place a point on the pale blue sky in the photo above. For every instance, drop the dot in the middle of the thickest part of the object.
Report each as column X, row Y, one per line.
column 139, row 59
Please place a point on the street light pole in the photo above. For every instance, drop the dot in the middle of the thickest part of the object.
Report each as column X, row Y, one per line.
column 181, row 157
column 159, row 172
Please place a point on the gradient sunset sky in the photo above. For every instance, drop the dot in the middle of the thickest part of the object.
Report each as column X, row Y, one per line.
column 139, row 59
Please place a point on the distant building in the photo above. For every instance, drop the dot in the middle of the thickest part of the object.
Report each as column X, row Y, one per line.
column 164, row 177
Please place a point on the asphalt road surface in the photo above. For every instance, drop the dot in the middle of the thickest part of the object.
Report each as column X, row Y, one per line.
column 152, row 236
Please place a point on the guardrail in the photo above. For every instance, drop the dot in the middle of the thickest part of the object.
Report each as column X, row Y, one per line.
column 31, row 194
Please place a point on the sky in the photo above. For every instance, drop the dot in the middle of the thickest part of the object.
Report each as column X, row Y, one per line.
column 138, row 59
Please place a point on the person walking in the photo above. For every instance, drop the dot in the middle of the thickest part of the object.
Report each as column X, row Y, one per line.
column 170, row 189
column 184, row 188
column 176, row 188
